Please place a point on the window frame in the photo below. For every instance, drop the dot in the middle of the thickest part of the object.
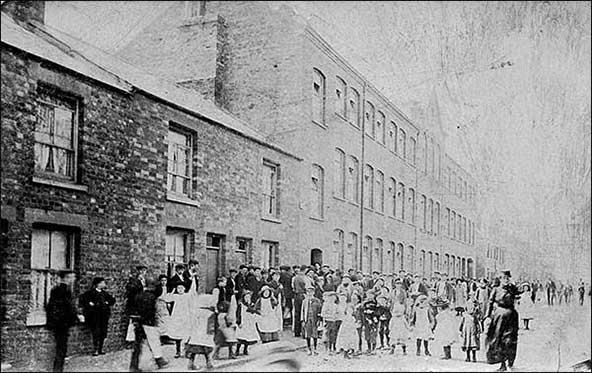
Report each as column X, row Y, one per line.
column 319, row 211
column 354, row 119
column 322, row 99
column 341, row 107
column 190, row 138
column 275, row 196
column 45, row 94
column 339, row 186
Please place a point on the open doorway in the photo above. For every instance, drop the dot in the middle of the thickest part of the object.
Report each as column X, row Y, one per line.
column 316, row 256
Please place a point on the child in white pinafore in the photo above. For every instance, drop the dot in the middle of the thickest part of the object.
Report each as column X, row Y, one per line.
column 446, row 329
column 423, row 323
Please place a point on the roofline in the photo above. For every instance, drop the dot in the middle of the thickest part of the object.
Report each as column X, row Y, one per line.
column 339, row 58
column 336, row 56
column 161, row 99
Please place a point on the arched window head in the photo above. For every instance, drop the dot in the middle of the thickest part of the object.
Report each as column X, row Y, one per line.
column 318, row 97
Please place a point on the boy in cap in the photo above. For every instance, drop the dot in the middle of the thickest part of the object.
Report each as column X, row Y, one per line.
column 370, row 321
column 384, row 318
column 311, row 318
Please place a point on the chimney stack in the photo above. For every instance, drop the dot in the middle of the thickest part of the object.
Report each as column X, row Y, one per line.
column 25, row 11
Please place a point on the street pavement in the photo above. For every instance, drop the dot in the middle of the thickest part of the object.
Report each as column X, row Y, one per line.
column 560, row 336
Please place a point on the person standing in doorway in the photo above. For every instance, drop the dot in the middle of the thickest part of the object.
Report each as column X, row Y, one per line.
column 96, row 304
column 61, row 315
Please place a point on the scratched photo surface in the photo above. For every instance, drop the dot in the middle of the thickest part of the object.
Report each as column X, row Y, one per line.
column 296, row 186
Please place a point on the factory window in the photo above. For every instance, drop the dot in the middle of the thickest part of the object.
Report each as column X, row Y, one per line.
column 369, row 186
column 369, row 123
column 339, row 169
column 353, row 170
column 392, row 197
column 341, row 98
column 411, row 155
column 401, row 145
column 411, row 205
column 317, row 184
column 379, row 191
column 401, row 199
column 318, row 97
column 380, row 127
column 354, row 107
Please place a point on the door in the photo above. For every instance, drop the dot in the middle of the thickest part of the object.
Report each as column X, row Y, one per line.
column 212, row 263
column 316, row 256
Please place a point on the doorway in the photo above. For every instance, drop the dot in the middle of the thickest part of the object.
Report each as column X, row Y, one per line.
column 316, row 256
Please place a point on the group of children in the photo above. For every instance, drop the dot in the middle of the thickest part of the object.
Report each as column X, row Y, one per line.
column 391, row 318
column 206, row 323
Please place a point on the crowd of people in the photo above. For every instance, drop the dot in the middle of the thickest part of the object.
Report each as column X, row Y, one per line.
column 348, row 313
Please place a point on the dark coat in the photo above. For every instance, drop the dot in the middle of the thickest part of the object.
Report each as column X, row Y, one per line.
column 134, row 287
column 60, row 310
column 145, row 306
column 230, row 288
column 286, row 281
column 100, row 310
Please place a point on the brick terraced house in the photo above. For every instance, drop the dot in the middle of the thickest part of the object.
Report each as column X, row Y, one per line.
column 105, row 166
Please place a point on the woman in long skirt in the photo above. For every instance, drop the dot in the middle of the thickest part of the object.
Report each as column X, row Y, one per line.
column 163, row 315
column 502, row 334
column 267, row 324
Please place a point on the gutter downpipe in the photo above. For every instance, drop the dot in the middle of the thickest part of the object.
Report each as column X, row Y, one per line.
column 362, row 168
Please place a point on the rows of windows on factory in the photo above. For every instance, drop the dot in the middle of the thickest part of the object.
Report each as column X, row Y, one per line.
column 347, row 106
column 392, row 256
column 387, row 195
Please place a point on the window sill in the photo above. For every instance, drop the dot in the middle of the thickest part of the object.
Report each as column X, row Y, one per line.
column 182, row 199
column 60, row 184
column 371, row 137
column 317, row 218
column 353, row 203
column 36, row 319
column 340, row 199
column 354, row 125
column 380, row 213
column 343, row 118
column 323, row 126
column 368, row 209
column 271, row 219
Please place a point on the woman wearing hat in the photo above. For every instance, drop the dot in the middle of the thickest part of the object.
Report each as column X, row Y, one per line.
column 502, row 334
column 247, row 324
column 267, row 324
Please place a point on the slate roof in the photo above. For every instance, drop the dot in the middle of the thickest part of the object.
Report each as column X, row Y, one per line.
column 74, row 54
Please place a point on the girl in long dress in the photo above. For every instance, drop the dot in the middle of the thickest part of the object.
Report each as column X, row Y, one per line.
column 202, row 322
column 398, row 327
column 446, row 327
column 470, row 330
column 267, row 323
column 163, row 315
column 525, row 306
column 247, row 331
column 176, row 328
column 423, row 323
column 311, row 318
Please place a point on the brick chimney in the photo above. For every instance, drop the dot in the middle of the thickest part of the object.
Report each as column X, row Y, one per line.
column 24, row 11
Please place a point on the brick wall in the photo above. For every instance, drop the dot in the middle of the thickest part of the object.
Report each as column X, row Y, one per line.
column 123, row 215
column 265, row 78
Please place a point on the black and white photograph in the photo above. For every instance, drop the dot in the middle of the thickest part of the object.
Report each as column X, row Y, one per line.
column 296, row 186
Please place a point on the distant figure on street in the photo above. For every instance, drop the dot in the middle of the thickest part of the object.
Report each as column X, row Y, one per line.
column 581, row 291
column 551, row 289
column 96, row 304
column 61, row 315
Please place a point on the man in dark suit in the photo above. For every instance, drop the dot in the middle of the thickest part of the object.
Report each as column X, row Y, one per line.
column 240, row 281
column 61, row 315
column 96, row 304
column 135, row 285
column 178, row 279
column 190, row 272
column 231, row 284
column 286, row 282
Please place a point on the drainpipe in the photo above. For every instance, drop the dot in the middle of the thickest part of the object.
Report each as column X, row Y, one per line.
column 362, row 168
